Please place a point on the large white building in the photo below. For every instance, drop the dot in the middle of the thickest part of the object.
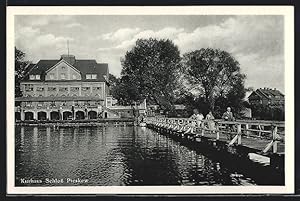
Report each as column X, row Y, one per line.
column 65, row 89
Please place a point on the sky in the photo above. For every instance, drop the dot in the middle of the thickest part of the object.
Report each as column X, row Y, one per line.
column 257, row 42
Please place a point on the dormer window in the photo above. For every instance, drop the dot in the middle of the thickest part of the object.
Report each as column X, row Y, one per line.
column 34, row 77
column 91, row 76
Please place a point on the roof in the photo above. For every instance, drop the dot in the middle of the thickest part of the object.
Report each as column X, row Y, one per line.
column 58, row 98
column 268, row 93
column 84, row 66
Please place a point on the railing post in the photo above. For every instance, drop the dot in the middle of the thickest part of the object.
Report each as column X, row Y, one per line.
column 247, row 127
column 239, row 132
column 274, row 137
column 217, row 131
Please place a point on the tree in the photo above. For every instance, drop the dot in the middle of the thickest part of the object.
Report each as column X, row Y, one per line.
column 20, row 65
column 215, row 76
column 150, row 71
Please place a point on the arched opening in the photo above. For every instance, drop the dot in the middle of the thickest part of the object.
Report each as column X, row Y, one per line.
column 92, row 115
column 28, row 115
column 79, row 115
column 67, row 115
column 54, row 115
column 17, row 116
column 105, row 114
column 42, row 115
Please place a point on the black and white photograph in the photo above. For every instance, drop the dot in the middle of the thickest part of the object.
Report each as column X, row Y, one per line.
column 150, row 100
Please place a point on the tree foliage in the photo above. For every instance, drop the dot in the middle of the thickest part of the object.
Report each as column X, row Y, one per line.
column 20, row 65
column 214, row 75
column 150, row 71
column 267, row 112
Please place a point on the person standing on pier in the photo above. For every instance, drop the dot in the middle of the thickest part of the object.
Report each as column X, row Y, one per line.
column 228, row 116
column 197, row 119
column 210, row 123
column 197, row 116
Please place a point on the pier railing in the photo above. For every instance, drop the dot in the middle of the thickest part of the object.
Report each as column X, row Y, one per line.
column 235, row 132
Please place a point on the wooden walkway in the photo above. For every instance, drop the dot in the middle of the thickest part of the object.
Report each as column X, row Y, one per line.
column 264, row 137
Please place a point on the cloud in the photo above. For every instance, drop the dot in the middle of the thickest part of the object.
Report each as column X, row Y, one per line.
column 237, row 34
column 263, row 71
column 74, row 24
column 37, row 45
column 27, row 32
column 120, row 34
column 39, row 21
column 123, row 45
column 255, row 41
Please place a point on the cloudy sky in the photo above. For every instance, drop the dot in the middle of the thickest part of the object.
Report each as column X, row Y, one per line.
column 255, row 41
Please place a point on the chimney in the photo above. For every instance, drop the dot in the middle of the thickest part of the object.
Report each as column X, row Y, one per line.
column 68, row 58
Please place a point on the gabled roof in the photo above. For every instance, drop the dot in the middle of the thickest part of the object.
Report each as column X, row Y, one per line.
column 268, row 93
column 84, row 66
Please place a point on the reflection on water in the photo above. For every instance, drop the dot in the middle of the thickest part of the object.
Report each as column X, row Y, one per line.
column 114, row 156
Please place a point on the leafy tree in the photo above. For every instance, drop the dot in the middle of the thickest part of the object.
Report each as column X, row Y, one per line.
column 267, row 112
column 214, row 75
column 20, row 65
column 150, row 70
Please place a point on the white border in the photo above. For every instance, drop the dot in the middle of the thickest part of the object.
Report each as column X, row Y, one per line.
column 287, row 11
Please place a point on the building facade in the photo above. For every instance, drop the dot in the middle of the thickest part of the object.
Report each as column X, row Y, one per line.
column 65, row 89
column 266, row 96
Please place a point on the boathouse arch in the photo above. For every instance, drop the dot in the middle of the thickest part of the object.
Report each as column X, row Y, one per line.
column 92, row 114
column 67, row 115
column 18, row 115
column 79, row 114
column 54, row 115
column 28, row 115
column 42, row 115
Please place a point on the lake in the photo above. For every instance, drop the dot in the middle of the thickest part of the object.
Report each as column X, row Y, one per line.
column 115, row 156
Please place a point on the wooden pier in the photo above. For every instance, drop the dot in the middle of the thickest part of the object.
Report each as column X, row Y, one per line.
column 260, row 137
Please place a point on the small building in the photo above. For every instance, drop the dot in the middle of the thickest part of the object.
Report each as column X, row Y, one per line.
column 65, row 89
column 266, row 96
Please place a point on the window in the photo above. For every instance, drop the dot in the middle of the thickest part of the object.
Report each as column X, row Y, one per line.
column 85, row 88
column 63, row 67
column 28, row 104
column 28, row 87
column 40, row 88
column 91, row 76
column 37, row 77
column 74, row 89
column 51, row 88
column 40, row 104
column 63, row 76
column 96, row 88
column 51, row 76
column 64, row 89
column 74, row 77
column 32, row 77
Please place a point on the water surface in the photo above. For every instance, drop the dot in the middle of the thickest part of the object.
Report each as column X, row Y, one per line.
column 105, row 156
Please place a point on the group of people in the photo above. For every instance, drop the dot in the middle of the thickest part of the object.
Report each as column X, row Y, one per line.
column 198, row 117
